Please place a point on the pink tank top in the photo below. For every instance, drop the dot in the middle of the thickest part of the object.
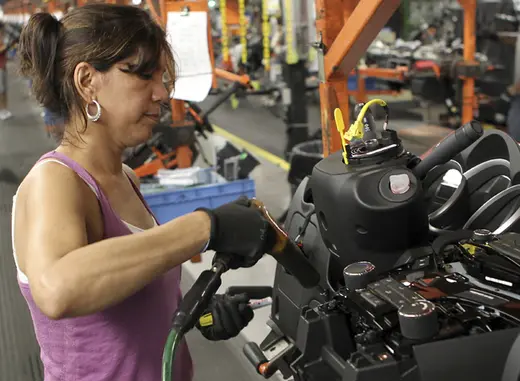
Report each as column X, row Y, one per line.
column 124, row 342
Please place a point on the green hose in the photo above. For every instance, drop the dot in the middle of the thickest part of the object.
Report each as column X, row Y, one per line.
column 169, row 354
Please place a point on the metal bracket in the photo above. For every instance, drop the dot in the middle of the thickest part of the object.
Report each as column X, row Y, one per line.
column 469, row 70
column 321, row 49
column 185, row 11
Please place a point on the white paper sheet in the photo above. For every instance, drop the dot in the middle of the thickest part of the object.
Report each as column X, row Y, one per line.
column 188, row 37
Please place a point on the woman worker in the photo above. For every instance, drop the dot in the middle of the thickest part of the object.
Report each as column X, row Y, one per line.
column 100, row 277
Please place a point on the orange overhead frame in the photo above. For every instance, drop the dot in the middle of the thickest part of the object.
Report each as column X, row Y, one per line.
column 184, row 154
column 18, row 8
column 232, row 17
column 80, row 3
column 469, row 100
column 178, row 110
column 361, row 94
column 345, row 29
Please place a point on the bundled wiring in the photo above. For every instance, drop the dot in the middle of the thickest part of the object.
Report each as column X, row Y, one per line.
column 356, row 129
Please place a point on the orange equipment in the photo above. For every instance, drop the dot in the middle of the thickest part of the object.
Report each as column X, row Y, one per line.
column 361, row 94
column 345, row 29
column 183, row 154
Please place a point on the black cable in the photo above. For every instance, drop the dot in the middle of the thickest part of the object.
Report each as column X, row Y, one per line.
column 303, row 227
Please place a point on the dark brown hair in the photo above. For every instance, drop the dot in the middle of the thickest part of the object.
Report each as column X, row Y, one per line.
column 99, row 34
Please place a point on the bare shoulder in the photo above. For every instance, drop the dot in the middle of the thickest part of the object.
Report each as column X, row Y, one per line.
column 51, row 177
column 55, row 185
column 51, row 214
column 130, row 172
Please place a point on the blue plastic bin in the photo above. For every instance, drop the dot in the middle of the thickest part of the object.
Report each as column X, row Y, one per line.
column 370, row 83
column 170, row 204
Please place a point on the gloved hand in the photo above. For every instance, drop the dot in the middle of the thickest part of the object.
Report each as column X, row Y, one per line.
column 225, row 317
column 238, row 230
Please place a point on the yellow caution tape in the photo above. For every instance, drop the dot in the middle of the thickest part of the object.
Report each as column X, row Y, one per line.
column 291, row 57
column 266, row 33
column 225, row 35
column 243, row 29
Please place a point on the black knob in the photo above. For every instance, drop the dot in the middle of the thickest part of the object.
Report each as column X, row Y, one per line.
column 418, row 320
column 482, row 235
column 358, row 275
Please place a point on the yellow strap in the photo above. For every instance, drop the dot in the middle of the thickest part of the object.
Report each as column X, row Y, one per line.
column 291, row 57
column 340, row 125
column 471, row 249
column 356, row 128
column 225, row 35
column 243, row 29
column 266, row 33
column 234, row 102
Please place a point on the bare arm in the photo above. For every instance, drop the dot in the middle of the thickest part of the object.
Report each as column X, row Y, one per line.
column 68, row 277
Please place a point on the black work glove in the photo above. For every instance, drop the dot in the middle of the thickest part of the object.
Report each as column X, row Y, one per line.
column 239, row 230
column 225, row 317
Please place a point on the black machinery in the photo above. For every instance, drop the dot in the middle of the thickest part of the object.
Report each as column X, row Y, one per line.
column 393, row 268
column 419, row 264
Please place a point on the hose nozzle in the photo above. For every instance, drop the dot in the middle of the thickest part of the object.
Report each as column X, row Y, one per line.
column 286, row 252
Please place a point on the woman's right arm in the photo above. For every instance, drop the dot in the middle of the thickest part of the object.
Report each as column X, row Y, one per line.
column 69, row 277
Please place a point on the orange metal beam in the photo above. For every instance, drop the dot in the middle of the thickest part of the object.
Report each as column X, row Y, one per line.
column 184, row 155
column 232, row 77
column 153, row 12
column 468, row 91
column 178, row 109
column 357, row 33
column 346, row 28
column 232, row 12
column 397, row 73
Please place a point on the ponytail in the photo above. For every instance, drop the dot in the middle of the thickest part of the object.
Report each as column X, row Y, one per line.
column 39, row 55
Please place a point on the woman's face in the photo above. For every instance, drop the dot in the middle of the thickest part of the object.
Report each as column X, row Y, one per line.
column 130, row 103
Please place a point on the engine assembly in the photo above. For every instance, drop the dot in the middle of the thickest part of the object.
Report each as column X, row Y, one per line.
column 419, row 263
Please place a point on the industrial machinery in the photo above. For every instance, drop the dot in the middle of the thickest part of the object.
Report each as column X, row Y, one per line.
column 160, row 151
column 434, row 55
column 419, row 263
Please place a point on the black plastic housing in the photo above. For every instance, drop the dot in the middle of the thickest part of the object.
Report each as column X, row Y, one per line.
column 494, row 144
column 360, row 218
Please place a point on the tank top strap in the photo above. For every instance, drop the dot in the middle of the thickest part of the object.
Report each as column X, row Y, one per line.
column 76, row 167
column 107, row 211
column 140, row 195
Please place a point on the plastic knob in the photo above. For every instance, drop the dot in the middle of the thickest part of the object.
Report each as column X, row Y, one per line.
column 358, row 275
column 482, row 235
column 418, row 320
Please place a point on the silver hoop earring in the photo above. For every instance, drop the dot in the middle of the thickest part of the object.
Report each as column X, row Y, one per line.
column 94, row 118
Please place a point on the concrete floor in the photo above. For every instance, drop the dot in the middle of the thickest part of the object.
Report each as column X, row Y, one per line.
column 258, row 125
column 22, row 141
